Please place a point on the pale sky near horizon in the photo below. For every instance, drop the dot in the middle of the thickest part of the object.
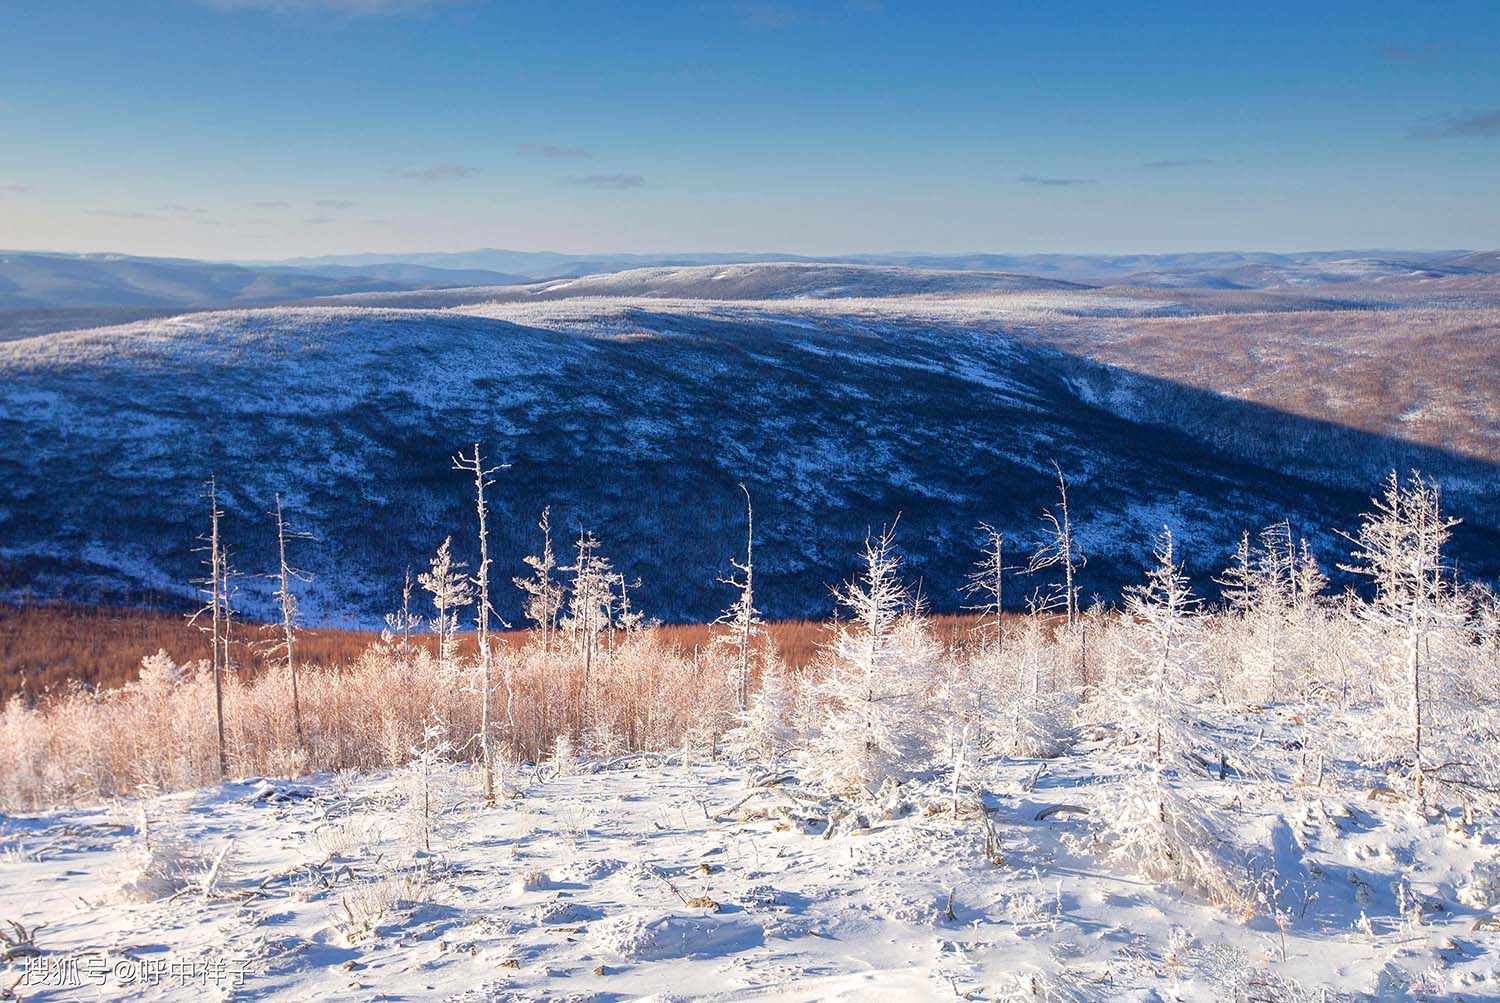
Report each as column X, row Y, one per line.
column 253, row 129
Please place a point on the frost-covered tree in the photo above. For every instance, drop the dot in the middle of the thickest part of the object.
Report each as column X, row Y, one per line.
column 482, row 481
column 625, row 618
column 426, row 794
column 590, row 606
column 875, row 725
column 764, row 729
column 400, row 623
column 451, row 592
column 291, row 619
column 1308, row 580
column 1059, row 550
column 1009, row 698
column 543, row 592
column 1272, row 586
column 1399, row 547
column 1161, row 636
column 159, row 673
column 985, row 586
column 742, row 616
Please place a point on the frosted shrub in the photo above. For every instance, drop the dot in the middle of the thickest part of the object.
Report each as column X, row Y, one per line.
column 425, row 785
column 158, row 865
column 564, row 758
column 1169, row 838
column 764, row 732
column 1036, row 727
column 366, row 905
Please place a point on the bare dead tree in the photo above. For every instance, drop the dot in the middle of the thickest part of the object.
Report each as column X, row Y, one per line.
column 987, row 583
column 742, row 615
column 400, row 624
column 213, row 588
column 1059, row 550
column 482, row 480
column 290, row 612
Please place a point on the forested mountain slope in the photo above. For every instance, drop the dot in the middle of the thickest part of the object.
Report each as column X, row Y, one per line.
column 636, row 417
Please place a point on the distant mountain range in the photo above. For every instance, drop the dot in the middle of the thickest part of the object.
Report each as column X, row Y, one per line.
column 47, row 292
column 1215, row 269
column 32, row 283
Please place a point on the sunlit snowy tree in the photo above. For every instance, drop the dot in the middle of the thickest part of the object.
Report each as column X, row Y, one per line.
column 1162, row 638
column 875, row 724
column 1399, row 547
column 543, row 591
column 451, row 591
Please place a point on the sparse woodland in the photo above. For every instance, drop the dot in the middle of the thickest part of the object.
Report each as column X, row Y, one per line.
column 1177, row 729
column 885, row 701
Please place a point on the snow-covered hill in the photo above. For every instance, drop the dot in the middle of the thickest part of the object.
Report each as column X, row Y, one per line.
column 75, row 281
column 636, row 417
column 781, row 280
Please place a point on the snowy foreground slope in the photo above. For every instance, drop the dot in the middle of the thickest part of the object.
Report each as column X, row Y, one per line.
column 679, row 881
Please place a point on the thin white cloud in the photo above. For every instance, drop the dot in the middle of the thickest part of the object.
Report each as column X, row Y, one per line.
column 348, row 8
column 551, row 152
column 1484, row 123
column 1032, row 179
column 607, row 182
column 1171, row 164
column 335, row 204
column 437, row 172
column 120, row 214
column 759, row 15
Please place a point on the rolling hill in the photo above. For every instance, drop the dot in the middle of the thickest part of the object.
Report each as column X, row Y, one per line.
column 634, row 410
column 40, row 292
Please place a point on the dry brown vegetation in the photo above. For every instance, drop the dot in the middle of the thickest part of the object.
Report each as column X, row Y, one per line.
column 1416, row 375
column 45, row 649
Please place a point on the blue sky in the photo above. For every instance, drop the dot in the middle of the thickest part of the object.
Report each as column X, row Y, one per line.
column 270, row 128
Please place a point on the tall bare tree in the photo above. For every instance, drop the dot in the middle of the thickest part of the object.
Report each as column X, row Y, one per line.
column 742, row 616
column 986, row 584
column 1059, row 550
column 214, row 588
column 286, row 599
column 475, row 465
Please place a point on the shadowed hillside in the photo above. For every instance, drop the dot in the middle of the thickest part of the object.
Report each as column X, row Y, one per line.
column 636, row 419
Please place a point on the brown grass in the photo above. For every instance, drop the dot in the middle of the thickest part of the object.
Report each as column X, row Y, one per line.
column 46, row 648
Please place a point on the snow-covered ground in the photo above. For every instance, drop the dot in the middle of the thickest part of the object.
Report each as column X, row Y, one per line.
column 682, row 881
